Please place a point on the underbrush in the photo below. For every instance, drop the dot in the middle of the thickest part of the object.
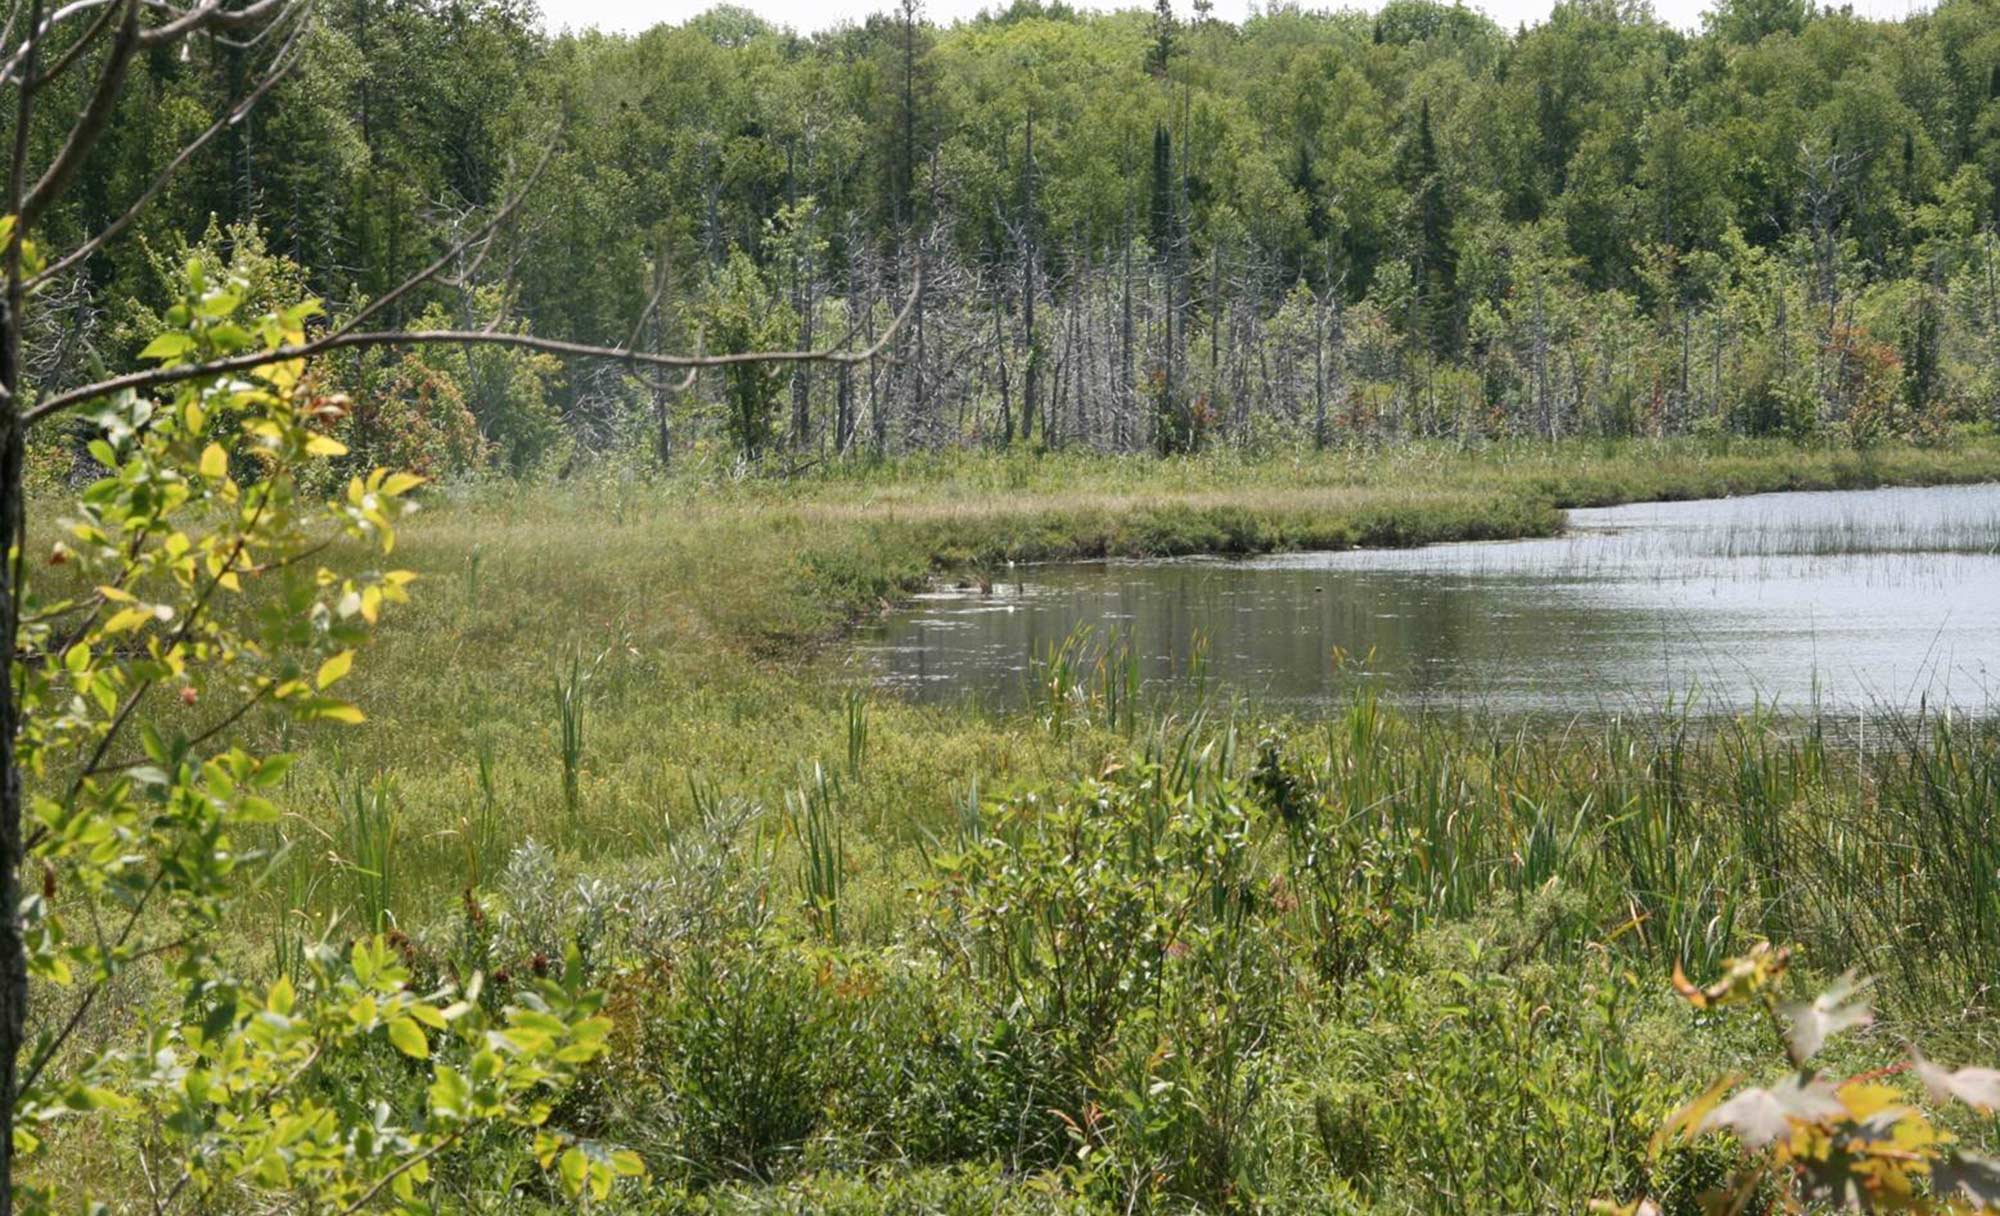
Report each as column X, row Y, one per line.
column 1104, row 955
column 1376, row 964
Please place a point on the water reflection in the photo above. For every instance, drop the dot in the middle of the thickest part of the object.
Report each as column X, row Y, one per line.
column 1850, row 599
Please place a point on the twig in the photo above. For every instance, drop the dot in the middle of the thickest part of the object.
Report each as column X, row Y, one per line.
column 281, row 67
column 161, row 377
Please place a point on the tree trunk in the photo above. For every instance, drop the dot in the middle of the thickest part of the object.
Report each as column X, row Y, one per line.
column 1000, row 356
column 13, row 956
column 663, row 439
column 13, row 527
column 1123, row 404
column 805, row 302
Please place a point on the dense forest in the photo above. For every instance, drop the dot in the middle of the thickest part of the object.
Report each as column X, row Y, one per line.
column 1124, row 231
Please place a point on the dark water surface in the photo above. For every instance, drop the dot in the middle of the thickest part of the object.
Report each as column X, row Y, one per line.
column 1849, row 599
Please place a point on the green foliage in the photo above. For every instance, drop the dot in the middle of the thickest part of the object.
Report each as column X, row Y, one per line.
column 741, row 1044
column 572, row 689
column 742, row 315
column 1126, row 919
column 1341, row 885
column 404, row 412
column 190, row 595
column 512, row 395
column 238, row 253
column 1412, row 963
column 368, row 850
column 815, row 811
column 1520, row 231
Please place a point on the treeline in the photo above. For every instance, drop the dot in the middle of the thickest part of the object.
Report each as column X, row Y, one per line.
column 1129, row 231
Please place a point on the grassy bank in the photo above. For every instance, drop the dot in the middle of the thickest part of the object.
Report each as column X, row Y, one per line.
column 695, row 617
column 868, row 956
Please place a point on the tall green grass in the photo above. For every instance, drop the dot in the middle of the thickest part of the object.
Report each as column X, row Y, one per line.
column 1416, row 993
column 570, row 694
column 368, row 844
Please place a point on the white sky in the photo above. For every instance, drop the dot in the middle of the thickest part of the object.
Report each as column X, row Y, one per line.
column 807, row 16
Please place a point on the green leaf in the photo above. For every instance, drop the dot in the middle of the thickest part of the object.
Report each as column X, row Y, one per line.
column 365, row 961
column 218, row 303
column 450, row 1093
column 409, row 1038
column 169, row 345
column 93, row 1097
column 572, row 1168
column 229, row 337
column 214, row 462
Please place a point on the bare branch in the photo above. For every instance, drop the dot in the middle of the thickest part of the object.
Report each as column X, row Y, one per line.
column 280, row 68
column 646, row 313
column 13, row 15
column 209, row 16
column 430, row 272
column 89, row 125
column 439, row 1146
column 76, row 49
column 39, row 30
column 145, row 381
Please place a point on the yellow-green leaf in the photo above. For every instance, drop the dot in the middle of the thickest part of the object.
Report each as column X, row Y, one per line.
column 128, row 620
column 334, row 668
column 572, row 1168
column 170, row 345
column 214, row 462
column 409, row 1038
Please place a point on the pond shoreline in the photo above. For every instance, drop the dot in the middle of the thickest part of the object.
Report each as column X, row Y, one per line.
column 1881, row 594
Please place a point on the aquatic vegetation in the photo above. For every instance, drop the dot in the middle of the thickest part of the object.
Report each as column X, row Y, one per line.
column 1185, row 952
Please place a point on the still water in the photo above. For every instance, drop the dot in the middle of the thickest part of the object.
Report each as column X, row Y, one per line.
column 1848, row 600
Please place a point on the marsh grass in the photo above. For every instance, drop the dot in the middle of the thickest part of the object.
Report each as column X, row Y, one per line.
column 721, row 805
column 368, row 844
column 571, row 692
column 856, row 705
column 481, row 829
column 814, row 813
column 710, row 608
column 292, row 928
column 1087, row 678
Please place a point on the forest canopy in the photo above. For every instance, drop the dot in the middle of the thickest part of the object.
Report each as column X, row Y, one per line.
column 1123, row 230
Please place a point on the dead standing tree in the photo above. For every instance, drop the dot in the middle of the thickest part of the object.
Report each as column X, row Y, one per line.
column 106, row 38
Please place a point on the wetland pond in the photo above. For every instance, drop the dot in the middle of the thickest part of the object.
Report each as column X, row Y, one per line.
column 1845, row 601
